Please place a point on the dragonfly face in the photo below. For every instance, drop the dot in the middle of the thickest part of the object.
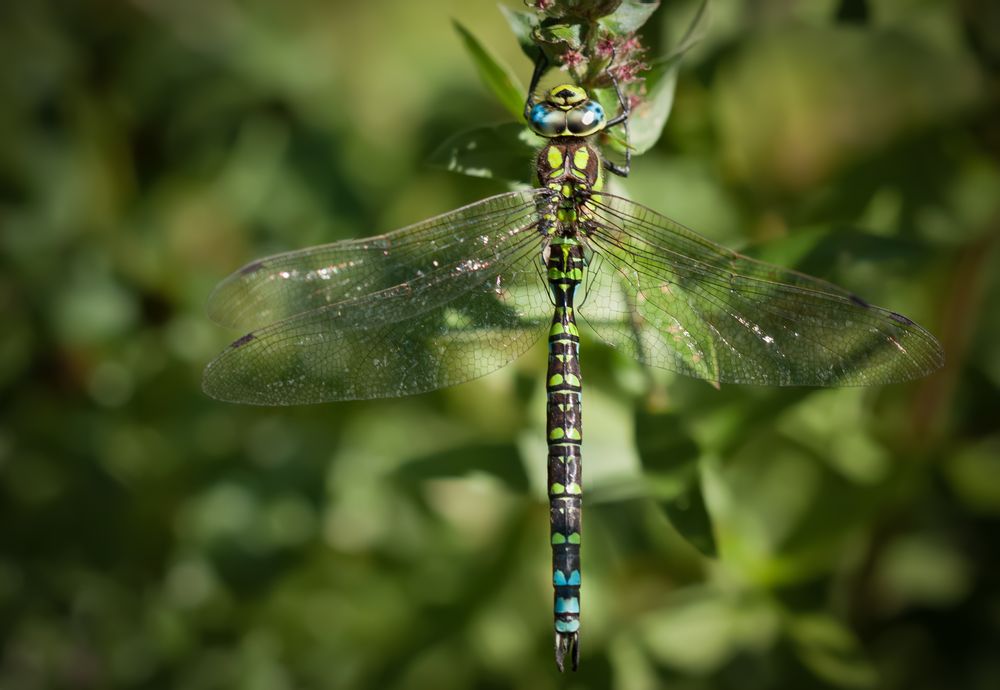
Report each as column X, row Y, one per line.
column 567, row 111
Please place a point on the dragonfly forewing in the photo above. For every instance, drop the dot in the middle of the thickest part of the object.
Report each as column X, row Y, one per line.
column 466, row 308
column 278, row 287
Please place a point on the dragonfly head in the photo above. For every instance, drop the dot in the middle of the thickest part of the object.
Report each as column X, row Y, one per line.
column 567, row 111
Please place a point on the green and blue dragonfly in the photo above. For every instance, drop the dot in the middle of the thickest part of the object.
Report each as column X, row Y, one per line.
column 458, row 296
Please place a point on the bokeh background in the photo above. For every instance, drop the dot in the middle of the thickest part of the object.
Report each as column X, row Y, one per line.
column 736, row 538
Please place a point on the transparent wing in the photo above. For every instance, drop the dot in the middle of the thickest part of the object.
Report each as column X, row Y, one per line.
column 277, row 287
column 460, row 316
column 678, row 301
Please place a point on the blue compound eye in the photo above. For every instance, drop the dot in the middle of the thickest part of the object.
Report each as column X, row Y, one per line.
column 585, row 119
column 547, row 121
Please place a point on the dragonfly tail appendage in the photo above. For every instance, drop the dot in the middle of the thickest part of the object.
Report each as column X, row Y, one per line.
column 567, row 644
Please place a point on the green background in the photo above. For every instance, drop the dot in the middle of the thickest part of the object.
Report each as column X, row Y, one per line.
column 153, row 538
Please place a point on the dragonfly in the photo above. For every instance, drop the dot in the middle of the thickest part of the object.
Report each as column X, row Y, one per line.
column 457, row 296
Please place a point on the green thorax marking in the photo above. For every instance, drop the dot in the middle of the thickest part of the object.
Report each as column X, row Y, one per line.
column 570, row 165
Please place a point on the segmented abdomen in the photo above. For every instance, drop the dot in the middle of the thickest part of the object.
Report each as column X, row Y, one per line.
column 564, row 433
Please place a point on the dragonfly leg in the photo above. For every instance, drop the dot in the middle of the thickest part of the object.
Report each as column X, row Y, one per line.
column 621, row 171
column 620, row 119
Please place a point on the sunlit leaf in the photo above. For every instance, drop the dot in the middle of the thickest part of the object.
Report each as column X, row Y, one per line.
column 700, row 629
column 650, row 117
column 921, row 570
column 630, row 16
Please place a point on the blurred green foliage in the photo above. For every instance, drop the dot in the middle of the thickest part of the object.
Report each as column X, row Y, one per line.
column 150, row 537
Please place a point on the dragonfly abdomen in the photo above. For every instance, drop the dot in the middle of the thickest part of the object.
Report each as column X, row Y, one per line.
column 565, row 434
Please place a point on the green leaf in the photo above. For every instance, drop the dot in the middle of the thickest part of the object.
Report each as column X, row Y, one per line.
column 973, row 474
column 689, row 515
column 498, row 78
column 649, row 117
column 502, row 151
column 831, row 651
column 523, row 24
column 585, row 9
column 630, row 16
column 558, row 38
column 664, row 445
column 695, row 31
column 667, row 451
column 700, row 629
column 500, row 461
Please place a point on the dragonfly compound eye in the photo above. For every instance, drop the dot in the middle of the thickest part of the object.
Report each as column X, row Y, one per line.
column 585, row 119
column 547, row 121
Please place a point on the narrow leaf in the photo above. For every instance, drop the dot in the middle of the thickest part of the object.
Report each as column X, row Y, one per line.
column 503, row 151
column 523, row 24
column 498, row 78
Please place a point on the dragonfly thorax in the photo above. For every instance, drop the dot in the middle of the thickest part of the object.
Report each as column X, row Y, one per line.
column 567, row 111
column 570, row 166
